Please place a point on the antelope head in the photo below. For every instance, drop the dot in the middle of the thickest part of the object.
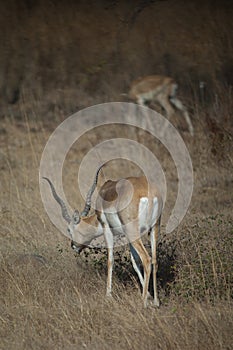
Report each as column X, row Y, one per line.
column 77, row 219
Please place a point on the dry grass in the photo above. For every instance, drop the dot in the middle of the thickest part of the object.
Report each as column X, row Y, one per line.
column 62, row 305
column 56, row 59
column 60, row 51
column 50, row 298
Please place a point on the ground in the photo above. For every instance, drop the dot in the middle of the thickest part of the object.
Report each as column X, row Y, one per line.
column 49, row 296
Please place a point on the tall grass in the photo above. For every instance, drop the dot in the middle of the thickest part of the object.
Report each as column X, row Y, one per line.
column 50, row 298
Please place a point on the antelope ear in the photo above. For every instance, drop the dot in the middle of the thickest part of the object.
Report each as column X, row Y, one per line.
column 76, row 217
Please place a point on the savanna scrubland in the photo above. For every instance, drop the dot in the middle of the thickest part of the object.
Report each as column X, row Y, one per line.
column 57, row 58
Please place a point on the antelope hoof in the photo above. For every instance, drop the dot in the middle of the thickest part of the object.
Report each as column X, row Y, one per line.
column 156, row 303
column 109, row 295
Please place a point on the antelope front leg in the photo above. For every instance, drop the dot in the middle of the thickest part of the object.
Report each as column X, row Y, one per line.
column 110, row 268
column 179, row 105
column 109, row 243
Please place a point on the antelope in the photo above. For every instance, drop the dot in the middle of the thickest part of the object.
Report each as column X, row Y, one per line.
column 161, row 90
column 109, row 219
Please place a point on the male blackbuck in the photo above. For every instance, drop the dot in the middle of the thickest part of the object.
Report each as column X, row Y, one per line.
column 161, row 90
column 129, row 206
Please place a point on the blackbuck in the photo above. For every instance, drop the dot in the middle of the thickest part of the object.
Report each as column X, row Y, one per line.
column 161, row 90
column 130, row 206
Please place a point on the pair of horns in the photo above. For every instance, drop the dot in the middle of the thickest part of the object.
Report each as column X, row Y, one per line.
column 87, row 206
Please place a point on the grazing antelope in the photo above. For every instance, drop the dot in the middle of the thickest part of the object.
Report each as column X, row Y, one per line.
column 142, row 215
column 160, row 89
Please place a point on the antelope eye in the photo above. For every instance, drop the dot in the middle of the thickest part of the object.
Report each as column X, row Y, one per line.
column 76, row 221
column 73, row 246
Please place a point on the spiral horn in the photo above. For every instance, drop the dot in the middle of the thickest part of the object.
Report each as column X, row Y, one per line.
column 90, row 193
column 64, row 210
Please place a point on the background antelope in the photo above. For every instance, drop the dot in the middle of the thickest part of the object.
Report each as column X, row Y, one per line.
column 160, row 89
column 141, row 216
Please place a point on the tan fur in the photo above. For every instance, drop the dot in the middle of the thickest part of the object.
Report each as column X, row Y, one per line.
column 112, row 194
column 130, row 207
column 113, row 216
column 156, row 83
column 160, row 90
